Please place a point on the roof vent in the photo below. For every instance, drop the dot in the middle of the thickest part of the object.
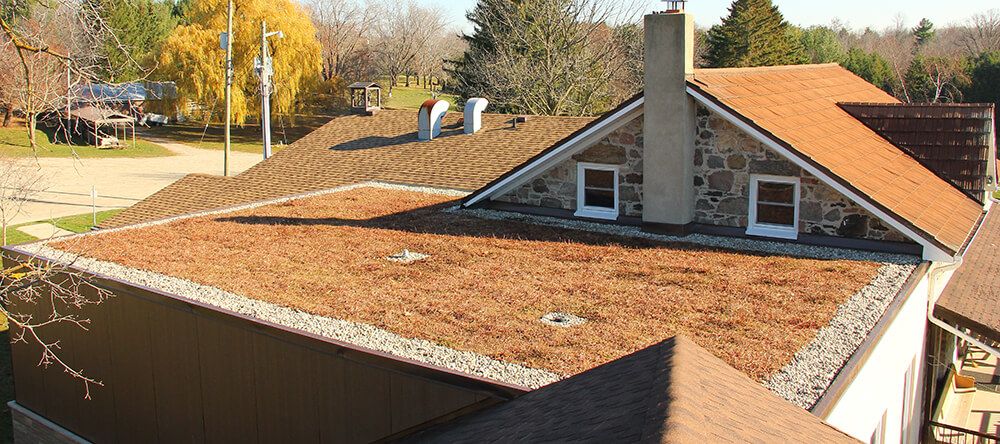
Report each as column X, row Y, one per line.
column 474, row 114
column 429, row 119
column 407, row 256
column 562, row 319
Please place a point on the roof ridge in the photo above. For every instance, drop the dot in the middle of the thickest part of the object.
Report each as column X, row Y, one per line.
column 810, row 66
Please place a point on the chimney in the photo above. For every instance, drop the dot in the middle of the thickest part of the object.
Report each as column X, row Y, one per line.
column 474, row 114
column 668, row 123
column 429, row 118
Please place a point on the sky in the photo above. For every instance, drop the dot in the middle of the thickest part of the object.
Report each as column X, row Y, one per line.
column 857, row 14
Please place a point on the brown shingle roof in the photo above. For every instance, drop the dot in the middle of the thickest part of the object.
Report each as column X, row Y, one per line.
column 354, row 149
column 672, row 392
column 972, row 297
column 798, row 106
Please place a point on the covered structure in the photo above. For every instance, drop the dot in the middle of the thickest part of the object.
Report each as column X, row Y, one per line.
column 94, row 118
column 366, row 97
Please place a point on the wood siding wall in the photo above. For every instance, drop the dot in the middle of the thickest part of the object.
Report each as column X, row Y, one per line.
column 179, row 371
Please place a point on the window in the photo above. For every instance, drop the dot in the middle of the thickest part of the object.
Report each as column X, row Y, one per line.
column 597, row 191
column 774, row 206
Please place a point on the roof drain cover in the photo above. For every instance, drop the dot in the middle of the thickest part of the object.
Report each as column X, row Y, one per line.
column 562, row 319
column 407, row 256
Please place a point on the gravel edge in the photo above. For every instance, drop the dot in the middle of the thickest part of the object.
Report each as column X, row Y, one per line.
column 355, row 333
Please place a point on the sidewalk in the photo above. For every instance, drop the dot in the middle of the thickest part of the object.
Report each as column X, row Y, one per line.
column 120, row 182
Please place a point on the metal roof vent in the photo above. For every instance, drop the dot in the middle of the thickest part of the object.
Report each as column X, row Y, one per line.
column 562, row 319
column 474, row 114
column 429, row 118
column 407, row 256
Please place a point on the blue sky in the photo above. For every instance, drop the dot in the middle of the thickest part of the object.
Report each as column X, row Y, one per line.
column 858, row 14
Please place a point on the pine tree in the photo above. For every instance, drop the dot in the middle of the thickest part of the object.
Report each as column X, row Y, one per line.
column 754, row 34
column 924, row 34
column 140, row 27
column 872, row 67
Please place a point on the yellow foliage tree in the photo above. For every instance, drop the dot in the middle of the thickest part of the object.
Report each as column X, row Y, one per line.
column 191, row 56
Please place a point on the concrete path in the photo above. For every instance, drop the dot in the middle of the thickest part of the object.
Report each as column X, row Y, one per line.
column 43, row 230
column 120, row 182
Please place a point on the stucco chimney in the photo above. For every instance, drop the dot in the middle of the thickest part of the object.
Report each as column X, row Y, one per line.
column 668, row 123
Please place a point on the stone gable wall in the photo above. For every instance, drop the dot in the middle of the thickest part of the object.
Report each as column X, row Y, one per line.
column 724, row 159
column 556, row 188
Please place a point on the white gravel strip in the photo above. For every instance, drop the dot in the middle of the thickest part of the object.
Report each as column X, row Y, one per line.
column 804, row 380
column 362, row 335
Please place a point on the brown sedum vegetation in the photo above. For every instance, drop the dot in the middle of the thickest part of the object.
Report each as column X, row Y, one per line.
column 487, row 282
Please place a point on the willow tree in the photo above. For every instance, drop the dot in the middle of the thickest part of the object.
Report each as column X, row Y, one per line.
column 754, row 34
column 191, row 56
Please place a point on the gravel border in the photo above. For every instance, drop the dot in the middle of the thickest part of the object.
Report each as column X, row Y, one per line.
column 355, row 333
column 803, row 381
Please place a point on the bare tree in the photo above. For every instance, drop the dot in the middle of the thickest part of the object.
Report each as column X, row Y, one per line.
column 983, row 33
column 403, row 32
column 19, row 181
column 344, row 29
column 37, row 296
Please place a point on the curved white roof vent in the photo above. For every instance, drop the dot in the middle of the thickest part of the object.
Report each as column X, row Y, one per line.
column 429, row 120
column 474, row 114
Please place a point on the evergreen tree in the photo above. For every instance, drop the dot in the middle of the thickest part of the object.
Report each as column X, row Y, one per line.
column 918, row 81
column 984, row 77
column 821, row 45
column 140, row 28
column 924, row 34
column 872, row 67
column 754, row 34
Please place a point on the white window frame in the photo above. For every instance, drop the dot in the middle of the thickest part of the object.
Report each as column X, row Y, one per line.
column 755, row 228
column 590, row 211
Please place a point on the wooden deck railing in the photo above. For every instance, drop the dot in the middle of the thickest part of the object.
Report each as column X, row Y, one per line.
column 949, row 434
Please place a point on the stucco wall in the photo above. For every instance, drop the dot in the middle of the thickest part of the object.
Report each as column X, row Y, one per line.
column 556, row 188
column 724, row 159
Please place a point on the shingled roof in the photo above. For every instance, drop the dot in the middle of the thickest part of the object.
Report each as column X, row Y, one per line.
column 353, row 149
column 798, row 106
column 971, row 299
column 672, row 392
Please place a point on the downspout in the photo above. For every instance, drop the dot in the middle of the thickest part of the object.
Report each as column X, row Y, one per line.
column 933, row 296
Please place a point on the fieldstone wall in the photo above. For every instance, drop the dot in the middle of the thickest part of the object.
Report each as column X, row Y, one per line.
column 556, row 188
column 724, row 159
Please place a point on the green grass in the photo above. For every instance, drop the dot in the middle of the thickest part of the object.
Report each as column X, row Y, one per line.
column 411, row 98
column 14, row 143
column 77, row 224
column 247, row 138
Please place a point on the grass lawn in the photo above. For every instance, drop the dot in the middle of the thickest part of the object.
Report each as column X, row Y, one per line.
column 76, row 224
column 412, row 98
column 14, row 143
column 246, row 139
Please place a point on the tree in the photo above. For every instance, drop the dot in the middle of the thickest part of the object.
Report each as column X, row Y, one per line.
column 549, row 57
column 923, row 34
column 191, row 55
column 872, row 67
column 344, row 30
column 140, row 27
column 934, row 79
column 403, row 33
column 754, row 34
column 983, row 33
column 984, row 76
column 821, row 46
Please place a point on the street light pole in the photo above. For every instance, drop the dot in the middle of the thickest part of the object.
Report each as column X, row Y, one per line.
column 229, row 86
column 265, row 68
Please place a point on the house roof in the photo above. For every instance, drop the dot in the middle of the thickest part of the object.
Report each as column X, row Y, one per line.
column 954, row 140
column 972, row 297
column 671, row 392
column 487, row 282
column 353, row 149
column 798, row 106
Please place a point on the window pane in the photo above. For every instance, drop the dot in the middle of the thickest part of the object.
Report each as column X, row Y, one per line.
column 775, row 192
column 775, row 214
column 599, row 179
column 599, row 198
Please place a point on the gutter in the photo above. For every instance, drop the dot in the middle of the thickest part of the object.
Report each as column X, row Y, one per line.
column 934, row 295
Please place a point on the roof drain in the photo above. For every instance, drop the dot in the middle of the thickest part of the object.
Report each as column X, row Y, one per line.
column 407, row 256
column 562, row 319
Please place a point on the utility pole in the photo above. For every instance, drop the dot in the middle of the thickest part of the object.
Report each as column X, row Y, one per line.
column 229, row 85
column 265, row 69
